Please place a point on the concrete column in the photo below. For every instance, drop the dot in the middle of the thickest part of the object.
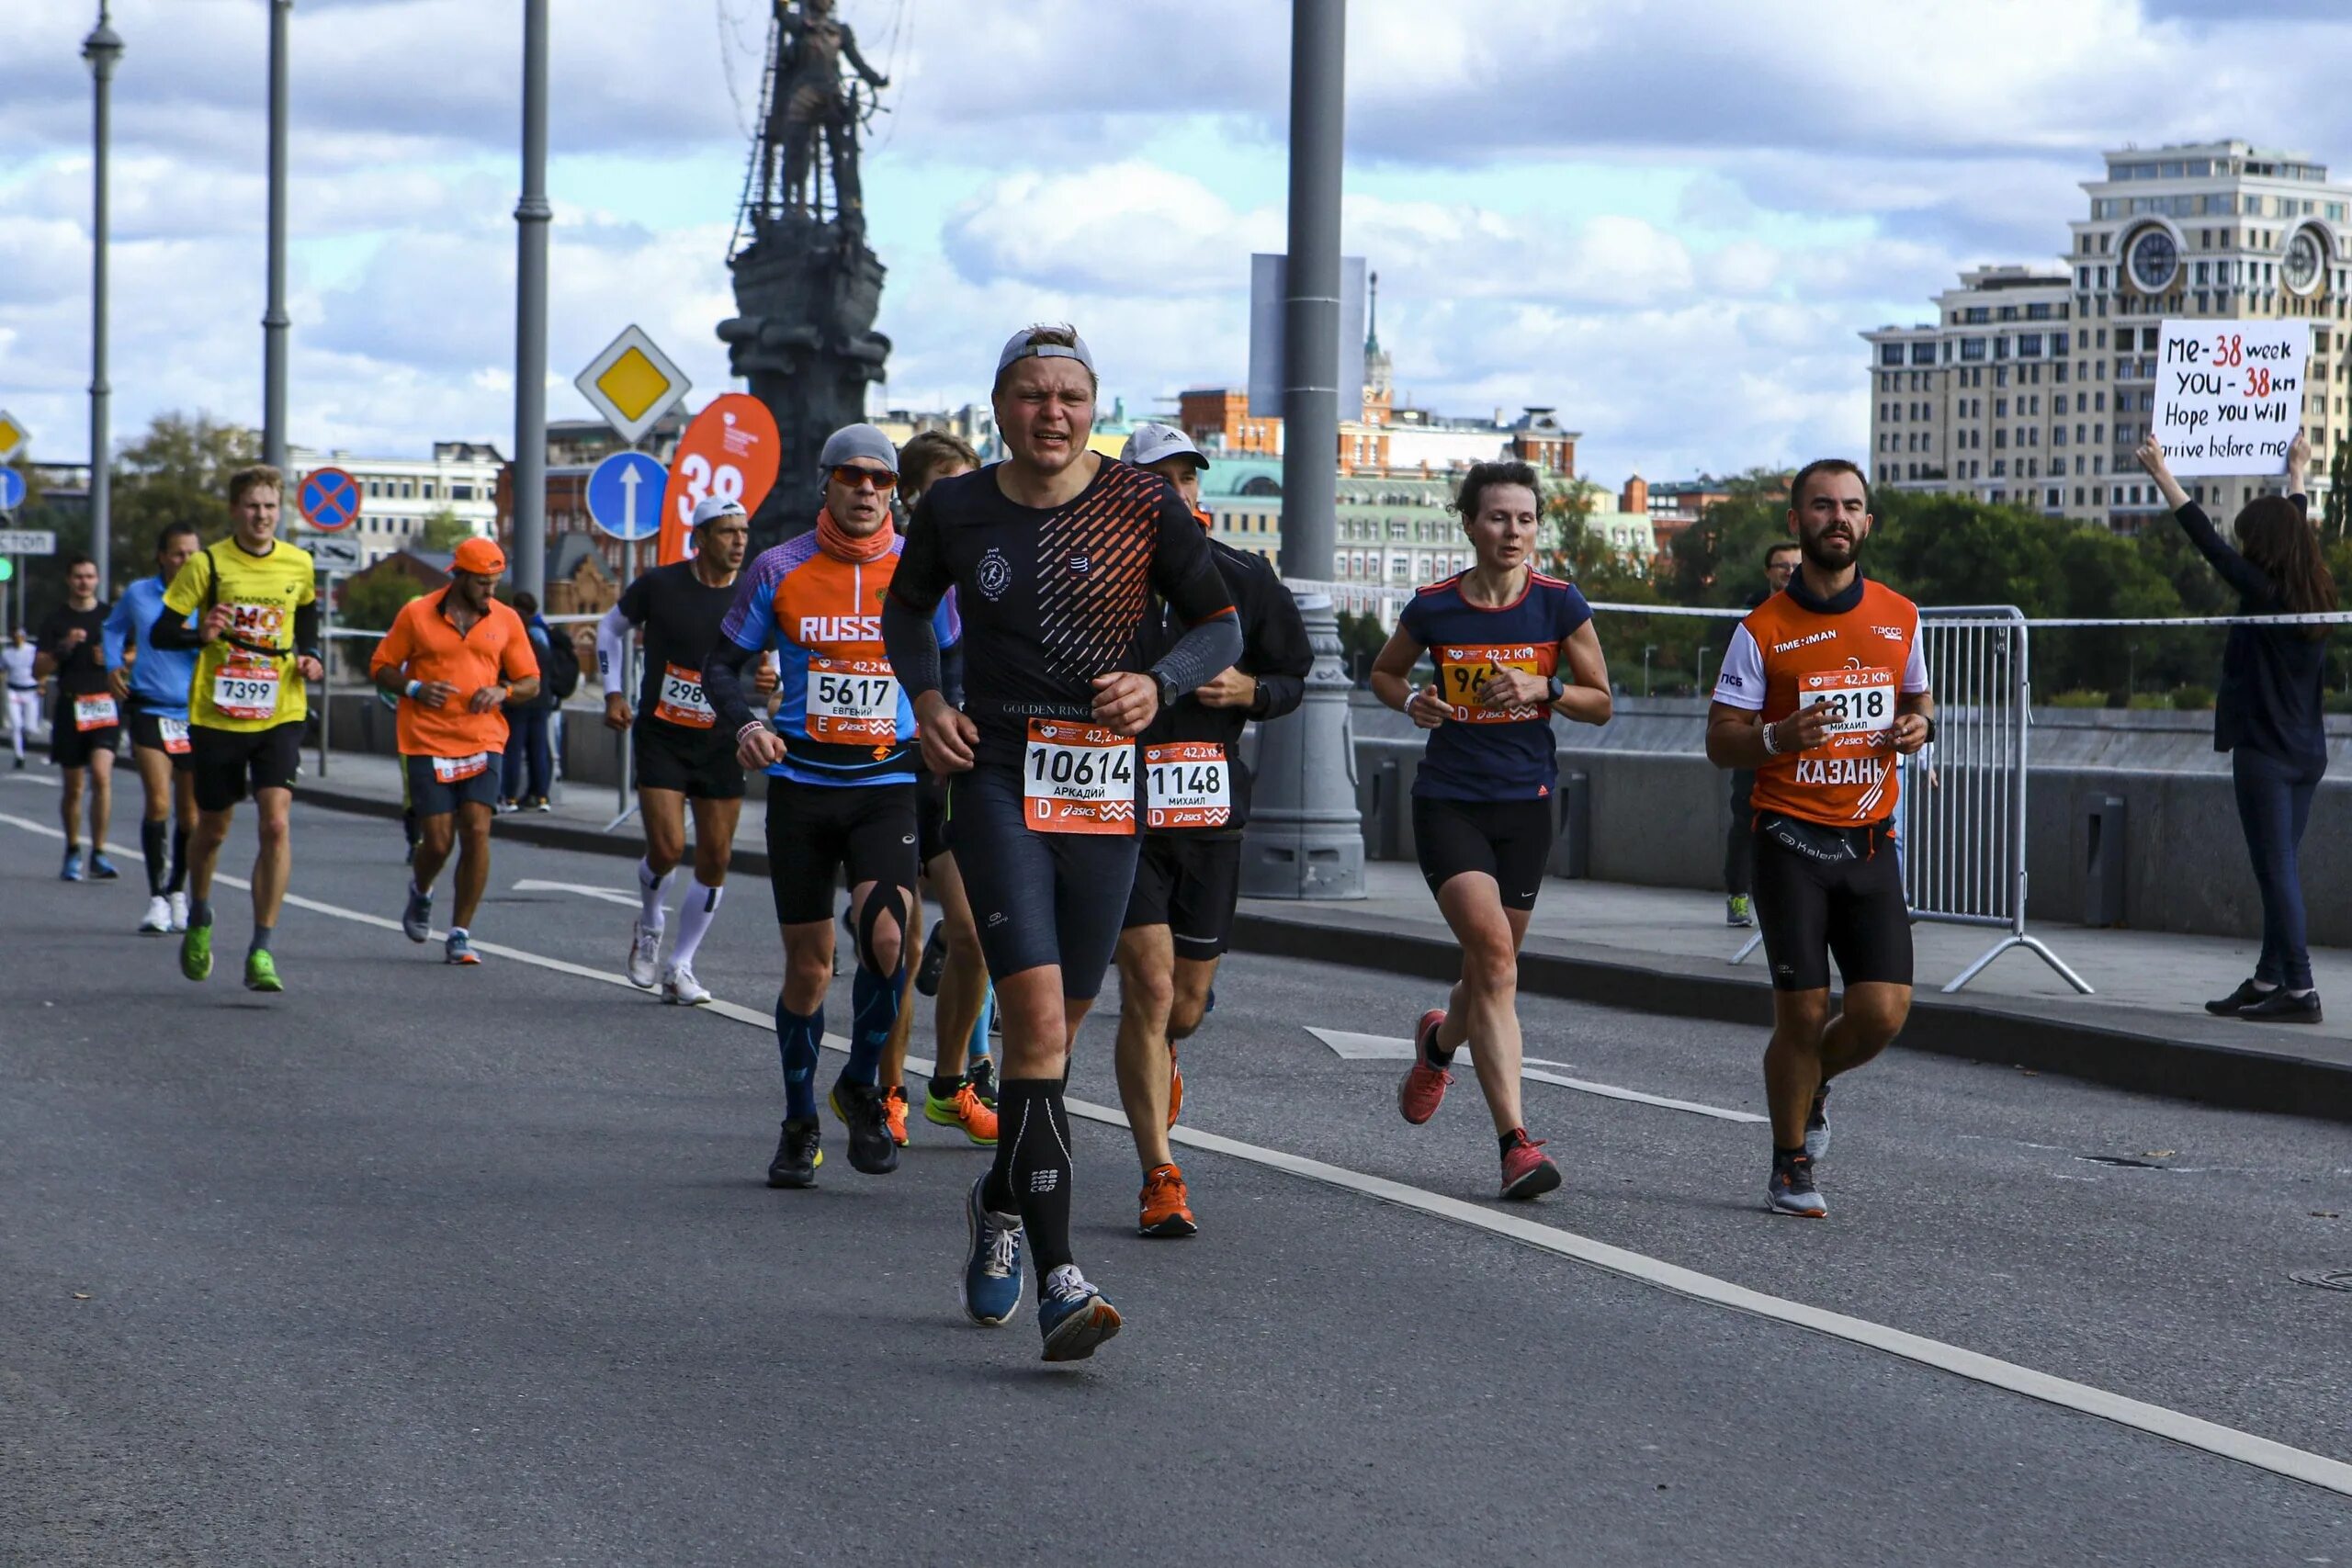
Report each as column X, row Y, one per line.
column 1305, row 840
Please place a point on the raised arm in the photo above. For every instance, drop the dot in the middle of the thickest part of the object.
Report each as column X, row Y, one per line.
column 2237, row 571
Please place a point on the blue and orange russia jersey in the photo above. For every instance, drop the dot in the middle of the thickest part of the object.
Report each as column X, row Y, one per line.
column 844, row 717
column 1481, row 754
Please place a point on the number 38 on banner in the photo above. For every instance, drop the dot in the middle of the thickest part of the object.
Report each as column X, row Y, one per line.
column 731, row 450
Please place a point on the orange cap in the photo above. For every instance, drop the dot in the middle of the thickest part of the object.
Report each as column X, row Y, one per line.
column 481, row 557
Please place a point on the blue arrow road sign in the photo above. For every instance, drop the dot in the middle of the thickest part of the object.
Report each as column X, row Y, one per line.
column 12, row 489
column 625, row 495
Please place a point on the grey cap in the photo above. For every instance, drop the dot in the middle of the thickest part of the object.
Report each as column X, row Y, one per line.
column 1153, row 443
column 1018, row 348
column 852, row 441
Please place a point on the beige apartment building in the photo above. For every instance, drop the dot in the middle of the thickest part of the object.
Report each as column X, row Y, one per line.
column 2034, row 382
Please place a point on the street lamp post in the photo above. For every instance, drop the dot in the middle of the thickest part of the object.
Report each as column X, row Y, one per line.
column 532, row 215
column 101, row 48
column 1700, row 687
column 274, row 321
column 1647, row 648
column 1305, row 838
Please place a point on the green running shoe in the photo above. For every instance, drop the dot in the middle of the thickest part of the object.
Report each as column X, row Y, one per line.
column 196, row 952
column 261, row 973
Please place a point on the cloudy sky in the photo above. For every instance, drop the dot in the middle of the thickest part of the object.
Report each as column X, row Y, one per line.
column 1666, row 218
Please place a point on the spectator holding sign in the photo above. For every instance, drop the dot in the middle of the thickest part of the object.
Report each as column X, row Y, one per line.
column 2267, row 715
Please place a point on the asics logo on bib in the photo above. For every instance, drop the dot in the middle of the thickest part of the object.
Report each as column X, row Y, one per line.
column 816, row 629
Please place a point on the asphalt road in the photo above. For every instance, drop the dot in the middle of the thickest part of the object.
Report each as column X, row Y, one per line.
column 421, row 1265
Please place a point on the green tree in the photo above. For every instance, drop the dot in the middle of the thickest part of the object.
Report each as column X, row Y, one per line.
column 2336, row 519
column 443, row 531
column 368, row 602
column 177, row 472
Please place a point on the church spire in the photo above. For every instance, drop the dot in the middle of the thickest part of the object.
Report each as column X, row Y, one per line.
column 1371, row 320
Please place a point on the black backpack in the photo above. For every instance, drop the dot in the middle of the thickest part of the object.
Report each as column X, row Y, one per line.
column 561, row 676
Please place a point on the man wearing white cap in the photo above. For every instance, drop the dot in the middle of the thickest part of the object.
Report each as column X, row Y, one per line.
column 1196, row 798
column 682, row 756
column 1053, row 555
column 841, row 763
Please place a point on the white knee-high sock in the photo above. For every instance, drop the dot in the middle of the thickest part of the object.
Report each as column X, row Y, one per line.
column 694, row 919
column 650, row 889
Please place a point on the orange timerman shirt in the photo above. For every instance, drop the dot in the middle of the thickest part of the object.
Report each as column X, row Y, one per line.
column 496, row 651
column 1858, row 654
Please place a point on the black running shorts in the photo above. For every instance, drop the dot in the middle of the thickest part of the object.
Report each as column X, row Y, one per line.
column 147, row 734
column 429, row 794
column 226, row 761
column 1189, row 884
column 1038, row 899
column 1510, row 841
column 817, row 831
column 72, row 748
column 1830, row 892
column 699, row 763
column 930, row 816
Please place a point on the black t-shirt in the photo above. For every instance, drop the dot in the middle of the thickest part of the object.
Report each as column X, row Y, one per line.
column 1053, row 597
column 83, row 671
column 681, row 615
column 1273, row 648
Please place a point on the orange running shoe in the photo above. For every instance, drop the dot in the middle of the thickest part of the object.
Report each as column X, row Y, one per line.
column 962, row 1109
column 1167, row 1211
column 894, row 1111
column 1175, row 1085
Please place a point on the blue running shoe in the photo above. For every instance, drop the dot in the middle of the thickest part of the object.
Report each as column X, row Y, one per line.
column 416, row 919
column 459, row 949
column 992, row 1286
column 101, row 868
column 73, row 870
column 1073, row 1315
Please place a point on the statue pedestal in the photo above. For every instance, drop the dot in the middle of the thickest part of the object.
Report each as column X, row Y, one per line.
column 1305, row 838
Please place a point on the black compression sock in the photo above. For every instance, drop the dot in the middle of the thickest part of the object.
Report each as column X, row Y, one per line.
column 199, row 911
column 179, row 861
column 150, row 848
column 1780, row 1154
column 1038, row 1167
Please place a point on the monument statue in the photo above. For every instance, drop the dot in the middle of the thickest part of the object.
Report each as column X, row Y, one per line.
column 806, row 288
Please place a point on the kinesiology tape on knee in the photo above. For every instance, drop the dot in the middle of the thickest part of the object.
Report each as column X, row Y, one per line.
column 886, row 899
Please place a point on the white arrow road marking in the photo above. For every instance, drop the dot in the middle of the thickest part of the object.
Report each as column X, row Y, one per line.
column 1363, row 1047
column 1355, row 1048
column 609, row 895
column 2191, row 1431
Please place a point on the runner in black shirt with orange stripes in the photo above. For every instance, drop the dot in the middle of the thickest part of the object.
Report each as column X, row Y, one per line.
column 1055, row 555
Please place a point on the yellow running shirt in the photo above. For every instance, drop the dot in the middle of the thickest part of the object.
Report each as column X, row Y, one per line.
column 246, row 680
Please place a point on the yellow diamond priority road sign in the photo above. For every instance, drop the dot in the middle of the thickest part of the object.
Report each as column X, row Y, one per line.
column 12, row 436
column 632, row 384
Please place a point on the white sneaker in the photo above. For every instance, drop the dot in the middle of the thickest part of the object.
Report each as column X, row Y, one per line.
column 179, row 912
column 159, row 915
column 680, row 987
column 644, row 954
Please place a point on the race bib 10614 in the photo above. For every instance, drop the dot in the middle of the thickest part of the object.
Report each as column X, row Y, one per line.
column 1078, row 778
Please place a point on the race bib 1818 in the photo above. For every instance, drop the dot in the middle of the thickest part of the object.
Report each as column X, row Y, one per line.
column 1861, row 702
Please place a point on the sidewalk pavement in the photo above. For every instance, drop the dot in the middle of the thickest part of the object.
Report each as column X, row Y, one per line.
column 1666, row 949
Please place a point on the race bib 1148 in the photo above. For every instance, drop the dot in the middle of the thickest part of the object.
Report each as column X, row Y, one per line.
column 1187, row 783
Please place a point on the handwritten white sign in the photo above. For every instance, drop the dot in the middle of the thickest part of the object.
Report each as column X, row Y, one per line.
column 2230, row 395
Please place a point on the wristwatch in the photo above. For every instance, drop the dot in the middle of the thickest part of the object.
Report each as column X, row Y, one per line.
column 1168, row 689
column 1554, row 690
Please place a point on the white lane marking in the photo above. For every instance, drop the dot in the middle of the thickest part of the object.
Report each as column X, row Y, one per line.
column 2191, row 1431
column 1353, row 1047
column 1530, row 1069
column 609, row 895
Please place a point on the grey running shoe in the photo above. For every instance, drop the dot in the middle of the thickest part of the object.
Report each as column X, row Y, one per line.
column 1791, row 1189
column 416, row 920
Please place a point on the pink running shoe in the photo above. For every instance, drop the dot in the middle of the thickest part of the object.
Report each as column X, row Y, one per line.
column 1424, row 1088
column 1526, row 1170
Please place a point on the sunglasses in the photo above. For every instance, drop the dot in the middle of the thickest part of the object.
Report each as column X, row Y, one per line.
column 849, row 476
